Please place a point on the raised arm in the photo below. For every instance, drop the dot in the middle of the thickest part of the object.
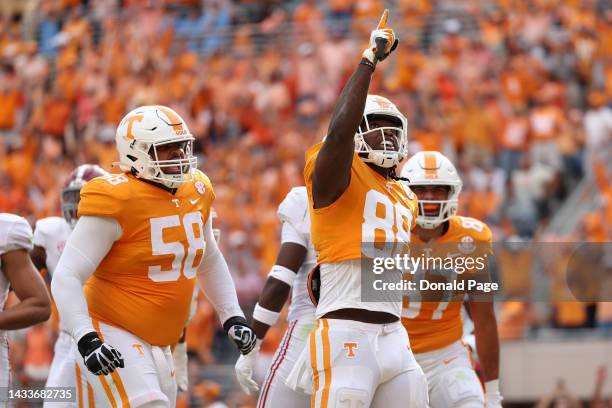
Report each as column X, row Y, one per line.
column 332, row 169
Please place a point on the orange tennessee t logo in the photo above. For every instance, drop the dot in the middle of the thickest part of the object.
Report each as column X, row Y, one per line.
column 350, row 347
column 139, row 348
column 130, row 122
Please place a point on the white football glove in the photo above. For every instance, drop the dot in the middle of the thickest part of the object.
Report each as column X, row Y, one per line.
column 244, row 370
column 493, row 398
column 382, row 41
column 179, row 355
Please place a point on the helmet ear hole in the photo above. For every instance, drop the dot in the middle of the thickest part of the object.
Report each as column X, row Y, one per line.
column 132, row 158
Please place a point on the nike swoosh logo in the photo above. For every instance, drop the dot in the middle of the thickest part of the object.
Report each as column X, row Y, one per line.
column 194, row 201
column 446, row 362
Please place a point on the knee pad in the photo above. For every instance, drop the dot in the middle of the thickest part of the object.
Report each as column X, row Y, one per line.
column 458, row 387
column 419, row 395
column 352, row 398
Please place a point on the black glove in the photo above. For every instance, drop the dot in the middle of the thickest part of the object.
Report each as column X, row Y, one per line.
column 238, row 330
column 100, row 358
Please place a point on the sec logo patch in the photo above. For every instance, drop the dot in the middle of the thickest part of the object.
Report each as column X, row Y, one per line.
column 467, row 245
column 200, row 187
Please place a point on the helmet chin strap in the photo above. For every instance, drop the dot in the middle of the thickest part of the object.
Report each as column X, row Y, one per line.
column 380, row 159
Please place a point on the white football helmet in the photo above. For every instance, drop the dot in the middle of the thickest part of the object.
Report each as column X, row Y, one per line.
column 71, row 192
column 433, row 168
column 380, row 106
column 141, row 132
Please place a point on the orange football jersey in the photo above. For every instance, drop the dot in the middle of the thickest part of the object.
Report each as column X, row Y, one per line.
column 372, row 209
column 145, row 283
column 432, row 325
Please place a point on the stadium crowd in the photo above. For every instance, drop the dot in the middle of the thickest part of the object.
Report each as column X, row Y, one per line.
column 515, row 92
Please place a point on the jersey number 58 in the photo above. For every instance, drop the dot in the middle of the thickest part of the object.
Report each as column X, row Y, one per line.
column 181, row 263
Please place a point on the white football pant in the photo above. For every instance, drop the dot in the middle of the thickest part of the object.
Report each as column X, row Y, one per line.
column 62, row 371
column 451, row 378
column 358, row 365
column 5, row 370
column 147, row 378
column 274, row 392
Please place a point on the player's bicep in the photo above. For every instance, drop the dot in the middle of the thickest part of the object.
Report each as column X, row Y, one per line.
column 291, row 256
column 278, row 285
column 332, row 172
column 294, row 244
column 23, row 276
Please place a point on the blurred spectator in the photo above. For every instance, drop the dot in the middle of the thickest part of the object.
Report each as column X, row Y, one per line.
column 560, row 398
column 11, row 100
column 599, row 400
column 597, row 126
column 513, row 139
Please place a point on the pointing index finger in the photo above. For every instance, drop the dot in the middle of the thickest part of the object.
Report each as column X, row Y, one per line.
column 383, row 20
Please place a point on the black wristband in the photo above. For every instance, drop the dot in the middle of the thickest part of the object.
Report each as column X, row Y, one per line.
column 234, row 320
column 365, row 61
column 89, row 343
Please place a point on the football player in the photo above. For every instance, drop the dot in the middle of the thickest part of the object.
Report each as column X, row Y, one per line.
column 290, row 273
column 359, row 351
column 50, row 236
column 124, row 282
column 18, row 273
column 436, row 327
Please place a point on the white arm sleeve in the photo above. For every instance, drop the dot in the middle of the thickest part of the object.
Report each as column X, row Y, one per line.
column 88, row 244
column 215, row 279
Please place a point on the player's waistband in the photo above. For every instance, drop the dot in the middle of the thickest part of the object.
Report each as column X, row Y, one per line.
column 454, row 347
column 378, row 328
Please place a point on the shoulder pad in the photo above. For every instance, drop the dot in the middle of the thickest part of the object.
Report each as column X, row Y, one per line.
column 103, row 196
column 294, row 209
column 48, row 225
column 474, row 228
column 15, row 233
column 201, row 180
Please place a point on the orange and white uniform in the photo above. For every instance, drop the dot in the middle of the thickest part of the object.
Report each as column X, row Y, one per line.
column 351, row 363
column 128, row 272
column 373, row 209
column 15, row 234
column 51, row 234
column 436, row 327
